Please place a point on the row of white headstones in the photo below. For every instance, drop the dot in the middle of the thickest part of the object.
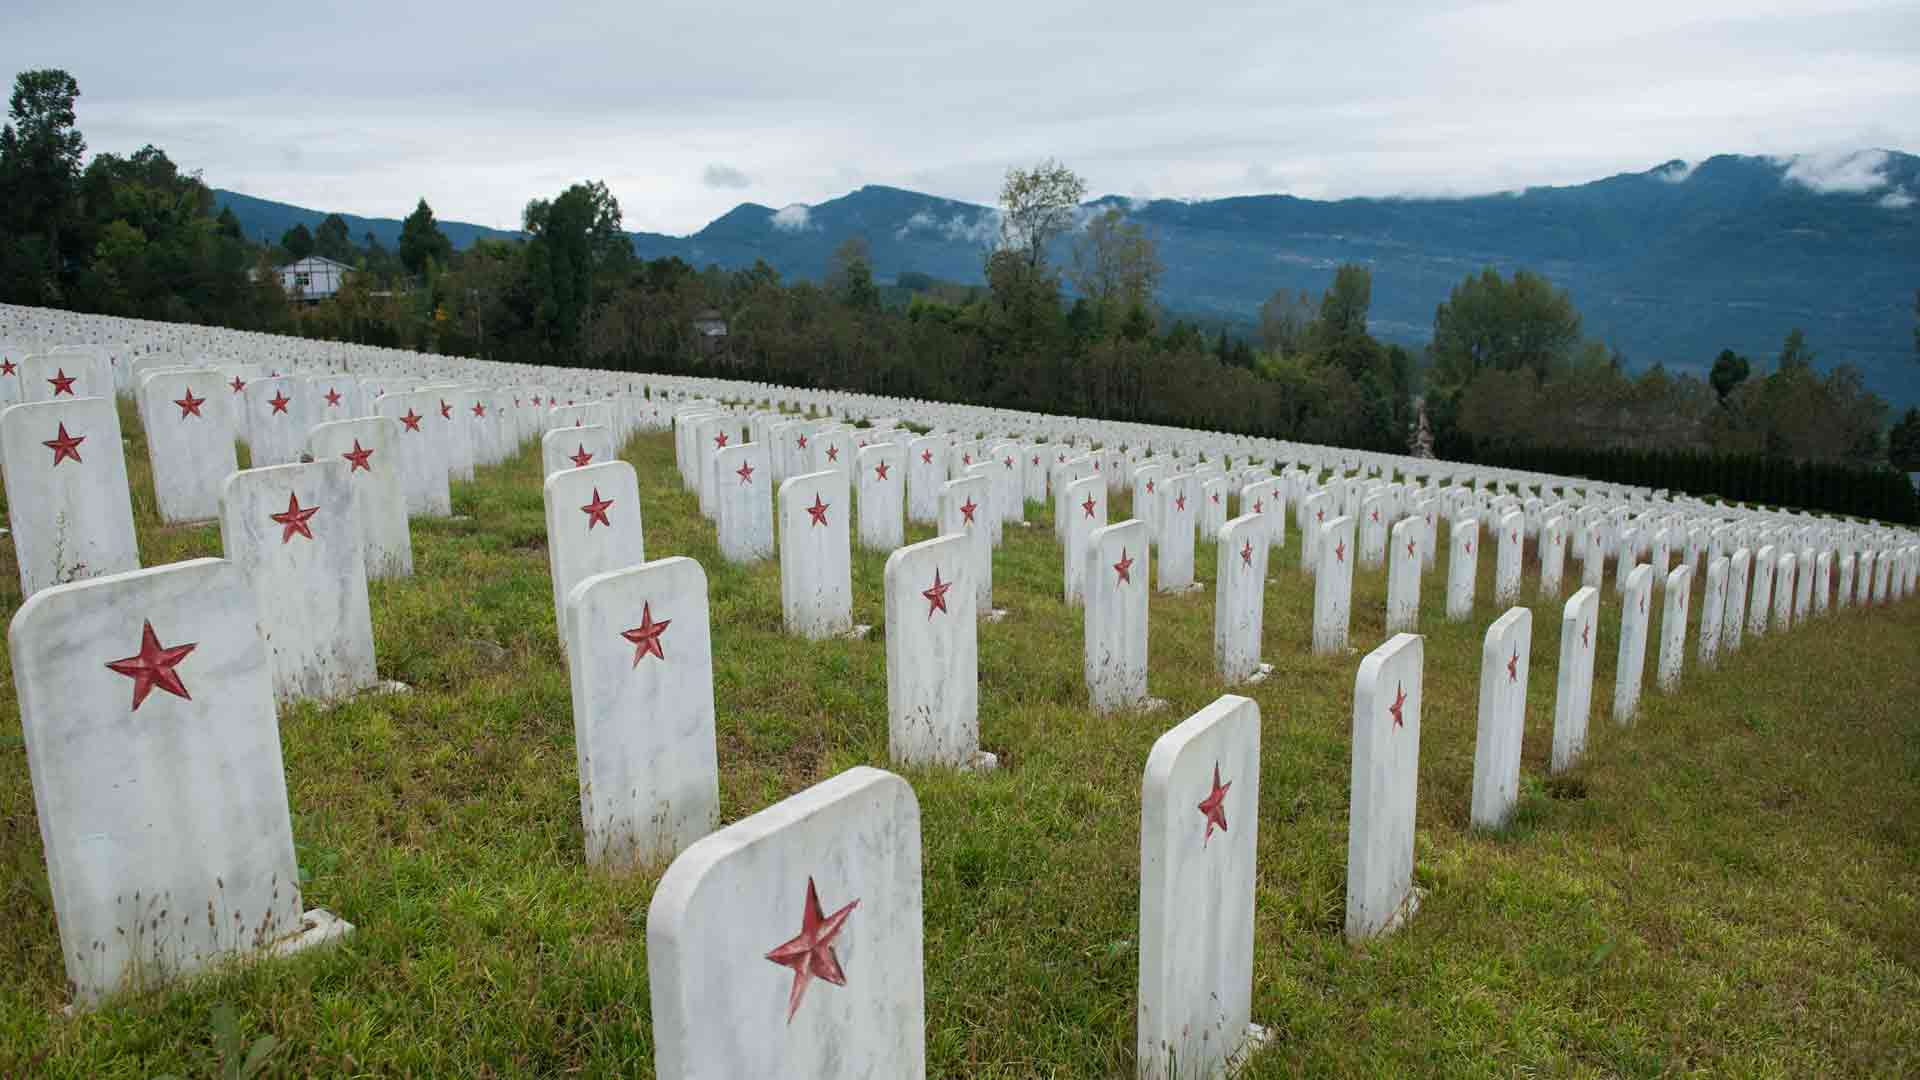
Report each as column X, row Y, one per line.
column 860, row 831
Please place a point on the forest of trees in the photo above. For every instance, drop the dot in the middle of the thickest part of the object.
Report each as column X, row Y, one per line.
column 1508, row 372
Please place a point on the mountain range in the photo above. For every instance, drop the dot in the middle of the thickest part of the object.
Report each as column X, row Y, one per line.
column 1668, row 265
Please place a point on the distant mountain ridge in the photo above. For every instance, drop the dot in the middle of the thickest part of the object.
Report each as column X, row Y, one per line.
column 1671, row 265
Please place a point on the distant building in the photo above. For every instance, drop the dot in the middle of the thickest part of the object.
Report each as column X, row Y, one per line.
column 313, row 278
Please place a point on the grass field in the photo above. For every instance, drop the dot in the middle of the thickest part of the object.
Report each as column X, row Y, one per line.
column 1730, row 887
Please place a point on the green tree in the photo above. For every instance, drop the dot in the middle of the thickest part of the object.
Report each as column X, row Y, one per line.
column 40, row 159
column 1491, row 323
column 298, row 241
column 1794, row 353
column 574, row 242
column 850, row 275
column 1036, row 206
column 421, row 240
column 1115, row 265
column 333, row 241
column 1284, row 321
column 1903, row 442
column 1730, row 369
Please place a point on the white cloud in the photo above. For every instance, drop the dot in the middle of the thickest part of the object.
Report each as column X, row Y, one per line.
column 1852, row 172
column 982, row 228
column 1897, row 199
column 724, row 176
column 794, row 217
column 1676, row 172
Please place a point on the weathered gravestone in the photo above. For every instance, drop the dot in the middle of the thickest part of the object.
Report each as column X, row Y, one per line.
column 373, row 475
column 1085, row 514
column 1213, row 506
column 189, row 443
column 593, row 526
column 1146, row 497
column 1785, row 571
column 816, row 560
column 1822, row 582
column 1712, row 603
column 1179, row 503
column 1553, row 555
column 926, row 476
column 67, row 498
column 422, row 457
column 1573, row 694
column 1333, row 587
column 1403, row 575
column 964, row 511
column 1375, row 518
column 1199, row 843
column 291, row 529
column 277, row 420
column 1313, row 521
column 987, row 502
column 1239, row 599
column 1673, row 628
column 883, row 494
column 743, row 503
column 1506, row 657
column 1760, row 600
column 1386, row 770
column 147, row 710
column 933, row 657
column 1506, row 561
column 1630, row 664
column 1463, row 563
column 1733, row 618
column 1116, row 617
column 575, row 448
column 789, row 944
column 640, row 659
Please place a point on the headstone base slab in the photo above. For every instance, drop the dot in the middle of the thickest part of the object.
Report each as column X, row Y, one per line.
column 1256, row 1038
column 858, row 633
column 1261, row 675
column 996, row 615
column 981, row 761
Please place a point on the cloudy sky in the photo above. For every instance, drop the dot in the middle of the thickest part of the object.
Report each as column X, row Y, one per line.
column 686, row 109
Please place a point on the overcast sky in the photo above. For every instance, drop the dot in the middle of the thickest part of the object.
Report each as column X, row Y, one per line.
column 686, row 109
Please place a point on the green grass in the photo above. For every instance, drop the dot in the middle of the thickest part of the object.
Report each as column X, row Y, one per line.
column 1731, row 886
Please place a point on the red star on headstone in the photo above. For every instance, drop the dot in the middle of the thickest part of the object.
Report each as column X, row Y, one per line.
column 66, row 446
column 1149, row 487
column 1399, row 699
column 833, row 453
column 1124, row 567
column 745, row 472
column 1246, row 553
column 966, row 510
column 536, row 401
column 803, row 442
column 818, row 511
column 646, row 636
column 7, row 367
column 581, row 456
column 1088, row 506
column 596, row 511
column 412, row 420
column 333, row 398
column 294, row 520
column 357, row 458
column 926, row 457
column 1036, row 459
column 1214, row 806
column 1180, row 501
column 62, row 383
column 1319, row 515
column 189, row 405
column 1513, row 666
column 1469, row 547
column 880, row 471
column 479, row 410
column 1009, row 461
column 279, row 401
column 1216, row 498
column 720, row 440
column 1643, row 605
column 153, row 666
column 1584, row 642
column 1409, row 549
column 446, row 410
column 936, row 596
column 1515, row 537
column 1259, row 506
column 966, row 459
column 1340, row 551
column 1376, row 517
column 810, row 952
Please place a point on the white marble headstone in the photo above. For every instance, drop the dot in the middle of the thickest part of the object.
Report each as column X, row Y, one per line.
column 1385, row 781
column 1333, row 587
column 593, row 526
column 67, row 498
column 1239, row 599
column 1573, row 693
column 933, row 656
column 1116, row 582
column 816, row 559
column 743, row 502
column 1505, row 660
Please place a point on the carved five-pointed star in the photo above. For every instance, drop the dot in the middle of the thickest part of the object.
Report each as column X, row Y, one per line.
column 1376, row 517
column 153, row 666
column 62, row 383
column 189, row 405
column 1124, row 567
column 65, row 446
column 1088, row 506
column 720, row 440
column 1149, row 487
column 479, row 410
column 412, row 420
column 1319, row 515
column 1180, row 501
column 1399, row 699
column 936, row 596
column 646, row 636
column 967, row 508
column 833, row 453
column 581, row 456
column 446, row 410
column 238, row 384
column 1409, row 549
column 279, row 401
column 333, row 398
column 357, row 458
column 926, row 457
column 1583, row 634
column 1340, row 551
column 596, row 511
column 1214, row 806
column 810, row 952
column 818, row 511
column 295, row 518
column 1036, row 459
column 1246, row 553
column 1216, row 498
column 1469, row 547
column 880, row 471
column 803, row 442
column 1513, row 665
column 7, row 367
column 745, row 472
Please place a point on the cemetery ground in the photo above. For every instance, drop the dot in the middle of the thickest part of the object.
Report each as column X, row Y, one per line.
column 1730, row 886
